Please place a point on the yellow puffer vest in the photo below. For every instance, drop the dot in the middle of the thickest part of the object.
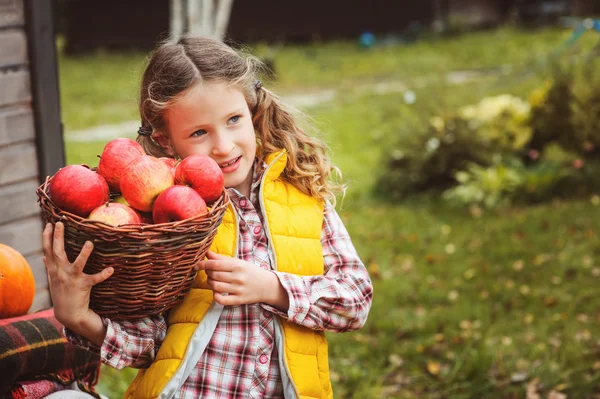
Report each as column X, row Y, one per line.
column 293, row 222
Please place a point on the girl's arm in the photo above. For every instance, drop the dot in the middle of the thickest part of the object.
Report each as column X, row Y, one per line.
column 339, row 300
column 126, row 343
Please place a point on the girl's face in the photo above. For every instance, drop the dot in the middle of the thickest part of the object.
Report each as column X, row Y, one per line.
column 213, row 119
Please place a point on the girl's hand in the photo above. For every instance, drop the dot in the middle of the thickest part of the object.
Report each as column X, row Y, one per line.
column 69, row 287
column 237, row 282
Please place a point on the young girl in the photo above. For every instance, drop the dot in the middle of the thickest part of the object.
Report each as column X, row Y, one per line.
column 281, row 271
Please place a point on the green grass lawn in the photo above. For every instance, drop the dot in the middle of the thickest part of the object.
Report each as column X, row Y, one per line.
column 467, row 303
column 102, row 88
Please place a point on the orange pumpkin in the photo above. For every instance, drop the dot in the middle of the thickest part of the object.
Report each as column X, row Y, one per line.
column 17, row 285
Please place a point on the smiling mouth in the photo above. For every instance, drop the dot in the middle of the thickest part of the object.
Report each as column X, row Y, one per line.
column 229, row 163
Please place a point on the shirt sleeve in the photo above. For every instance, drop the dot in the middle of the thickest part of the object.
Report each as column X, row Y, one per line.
column 340, row 299
column 127, row 343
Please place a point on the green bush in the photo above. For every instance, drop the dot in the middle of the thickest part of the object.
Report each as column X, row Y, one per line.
column 481, row 135
column 567, row 109
column 488, row 186
column 503, row 149
column 429, row 160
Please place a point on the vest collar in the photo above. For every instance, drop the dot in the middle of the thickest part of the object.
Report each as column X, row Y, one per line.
column 276, row 162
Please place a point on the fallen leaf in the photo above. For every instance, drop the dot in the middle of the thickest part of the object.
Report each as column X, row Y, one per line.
column 469, row 274
column 412, row 238
column 532, row 389
column 519, row 265
column 453, row 295
column 550, row 301
column 584, row 335
column 450, row 249
column 466, row 324
column 519, row 376
column 475, row 211
column 335, row 377
column 433, row 367
column 561, row 387
column 556, row 395
column 541, row 259
column 395, row 360
column 407, row 264
column 433, row 258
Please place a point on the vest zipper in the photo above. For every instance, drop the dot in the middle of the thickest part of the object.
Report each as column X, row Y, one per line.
column 274, row 263
column 237, row 231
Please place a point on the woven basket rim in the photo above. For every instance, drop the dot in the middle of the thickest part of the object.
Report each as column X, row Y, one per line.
column 180, row 225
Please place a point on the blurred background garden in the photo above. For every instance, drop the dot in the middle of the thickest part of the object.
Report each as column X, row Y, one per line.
column 472, row 152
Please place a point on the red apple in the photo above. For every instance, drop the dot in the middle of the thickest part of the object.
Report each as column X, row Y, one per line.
column 178, row 203
column 203, row 174
column 78, row 190
column 116, row 156
column 115, row 214
column 120, row 200
column 170, row 162
column 143, row 180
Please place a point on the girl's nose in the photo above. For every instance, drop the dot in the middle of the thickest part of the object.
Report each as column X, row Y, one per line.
column 221, row 146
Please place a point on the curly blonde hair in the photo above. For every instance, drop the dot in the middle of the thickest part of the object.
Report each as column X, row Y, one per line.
column 173, row 68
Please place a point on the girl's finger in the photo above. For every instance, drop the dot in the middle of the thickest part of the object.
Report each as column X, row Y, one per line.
column 216, row 265
column 225, row 277
column 216, row 256
column 47, row 245
column 99, row 277
column 83, row 256
column 221, row 287
column 58, row 246
column 227, row 300
column 50, row 267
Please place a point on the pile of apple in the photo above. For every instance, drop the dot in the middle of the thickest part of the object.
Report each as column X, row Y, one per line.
column 130, row 187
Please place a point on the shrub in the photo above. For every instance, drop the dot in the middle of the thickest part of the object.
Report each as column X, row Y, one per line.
column 481, row 134
column 503, row 149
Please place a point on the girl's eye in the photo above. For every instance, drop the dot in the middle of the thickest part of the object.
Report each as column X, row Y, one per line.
column 198, row 133
column 234, row 119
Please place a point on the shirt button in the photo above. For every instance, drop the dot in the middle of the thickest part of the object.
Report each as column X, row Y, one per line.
column 263, row 359
column 256, row 229
column 109, row 356
column 266, row 313
column 243, row 203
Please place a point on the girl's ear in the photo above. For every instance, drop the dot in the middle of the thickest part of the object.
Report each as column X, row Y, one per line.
column 164, row 142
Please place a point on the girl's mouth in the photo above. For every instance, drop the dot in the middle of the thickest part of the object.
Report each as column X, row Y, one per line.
column 230, row 166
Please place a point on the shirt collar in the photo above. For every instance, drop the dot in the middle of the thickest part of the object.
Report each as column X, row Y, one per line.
column 258, row 169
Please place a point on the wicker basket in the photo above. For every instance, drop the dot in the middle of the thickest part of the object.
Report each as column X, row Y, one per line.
column 153, row 263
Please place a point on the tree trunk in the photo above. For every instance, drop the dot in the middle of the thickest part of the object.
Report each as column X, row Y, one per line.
column 177, row 19
column 206, row 17
column 223, row 13
column 194, row 17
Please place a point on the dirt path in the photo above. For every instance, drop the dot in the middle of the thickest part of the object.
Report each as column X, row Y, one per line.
column 299, row 100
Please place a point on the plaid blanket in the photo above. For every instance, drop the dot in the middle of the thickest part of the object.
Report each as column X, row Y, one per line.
column 35, row 389
column 33, row 347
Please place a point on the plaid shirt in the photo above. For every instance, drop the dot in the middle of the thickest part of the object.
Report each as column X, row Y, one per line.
column 241, row 359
